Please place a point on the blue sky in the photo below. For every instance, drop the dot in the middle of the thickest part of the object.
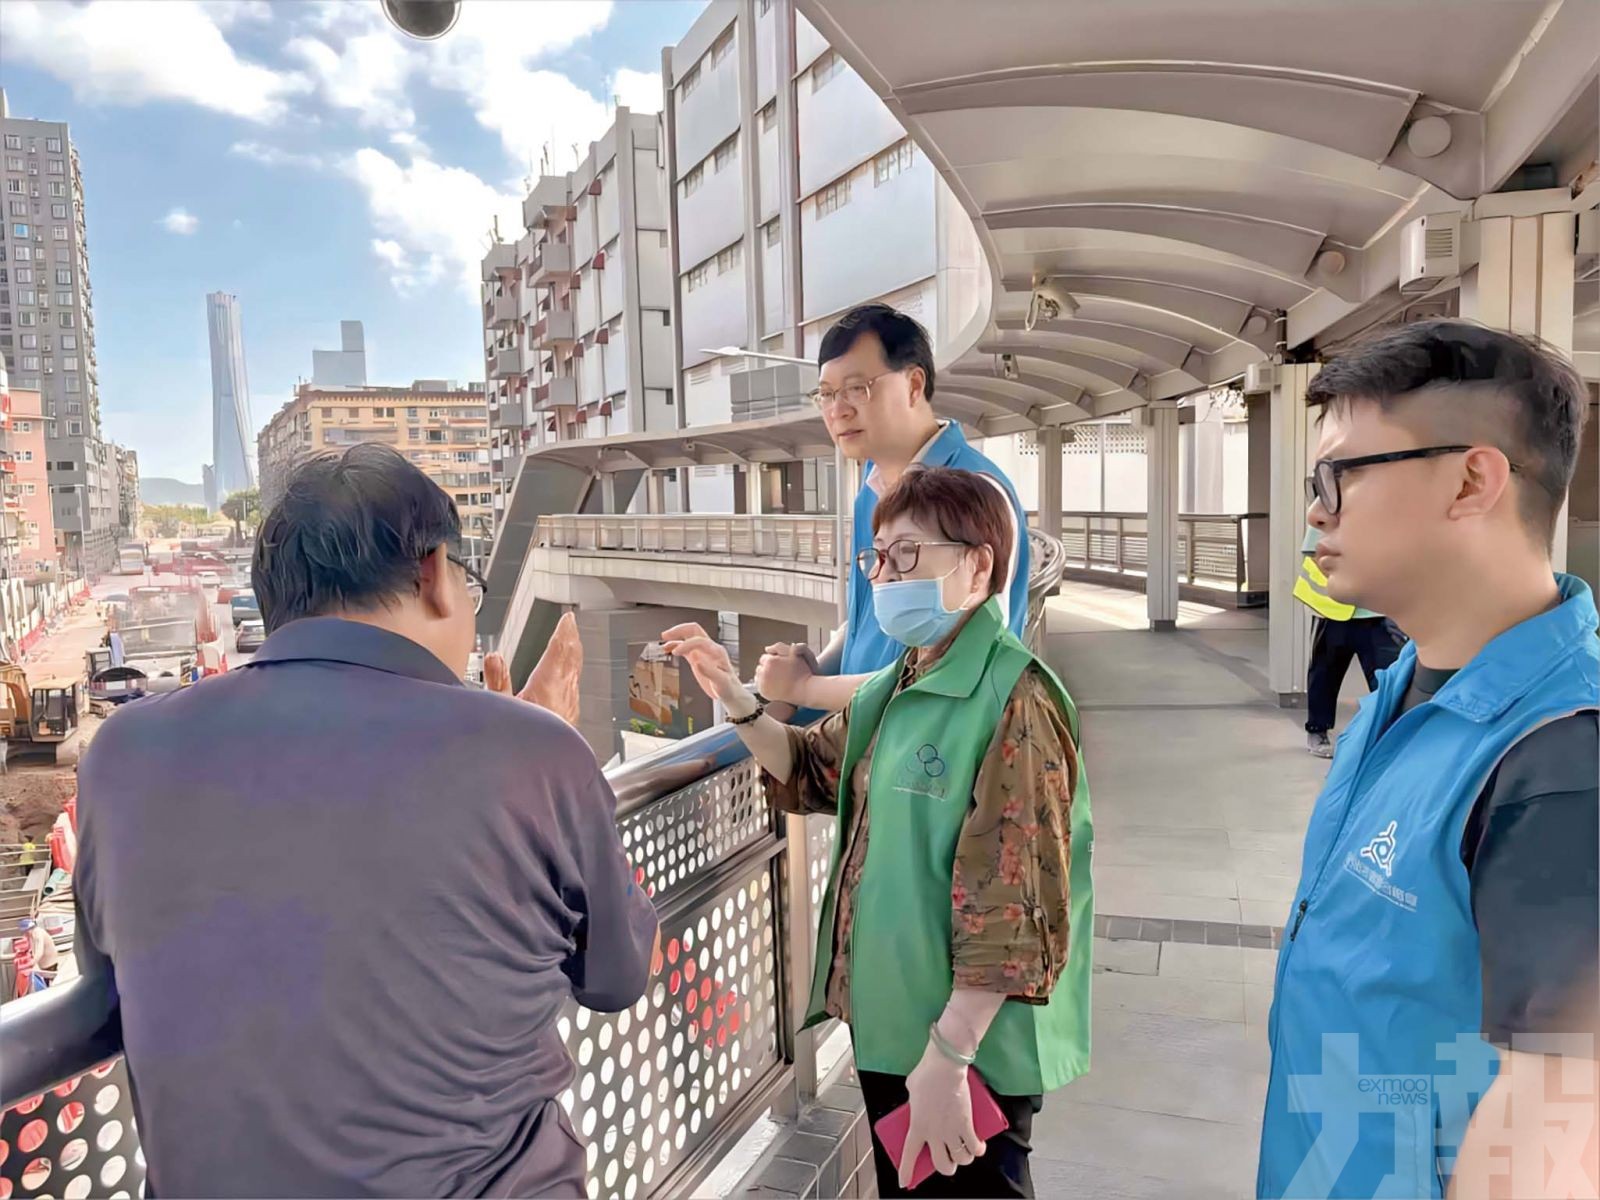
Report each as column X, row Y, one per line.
column 307, row 158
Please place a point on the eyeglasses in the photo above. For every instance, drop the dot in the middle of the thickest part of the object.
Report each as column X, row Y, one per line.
column 1323, row 487
column 477, row 586
column 853, row 394
column 902, row 554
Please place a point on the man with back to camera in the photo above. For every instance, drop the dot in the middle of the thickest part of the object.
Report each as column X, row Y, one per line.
column 339, row 896
column 1445, row 924
column 875, row 394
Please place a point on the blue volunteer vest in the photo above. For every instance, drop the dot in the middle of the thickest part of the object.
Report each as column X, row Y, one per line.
column 867, row 648
column 1377, row 1062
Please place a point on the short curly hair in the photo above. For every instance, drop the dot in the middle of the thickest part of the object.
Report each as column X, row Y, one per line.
column 963, row 506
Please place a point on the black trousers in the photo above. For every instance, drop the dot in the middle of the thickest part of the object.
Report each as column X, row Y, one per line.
column 1002, row 1169
column 1374, row 642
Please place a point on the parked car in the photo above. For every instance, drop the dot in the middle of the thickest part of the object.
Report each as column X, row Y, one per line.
column 244, row 608
column 209, row 579
column 250, row 636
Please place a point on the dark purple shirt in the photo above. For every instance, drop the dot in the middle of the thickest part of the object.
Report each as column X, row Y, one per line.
column 344, row 898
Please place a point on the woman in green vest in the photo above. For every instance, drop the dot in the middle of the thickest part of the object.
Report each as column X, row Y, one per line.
column 958, row 932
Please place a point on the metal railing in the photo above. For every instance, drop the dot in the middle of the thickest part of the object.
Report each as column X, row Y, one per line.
column 788, row 539
column 1213, row 550
column 662, row 1090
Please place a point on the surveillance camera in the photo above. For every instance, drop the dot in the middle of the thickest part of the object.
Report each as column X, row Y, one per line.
column 1008, row 366
column 1049, row 302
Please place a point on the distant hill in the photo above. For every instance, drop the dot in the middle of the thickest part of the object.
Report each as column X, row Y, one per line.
column 156, row 490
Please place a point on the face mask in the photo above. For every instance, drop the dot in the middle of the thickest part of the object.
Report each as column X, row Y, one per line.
column 912, row 611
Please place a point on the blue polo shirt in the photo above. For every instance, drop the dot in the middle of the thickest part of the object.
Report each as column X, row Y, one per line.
column 867, row 648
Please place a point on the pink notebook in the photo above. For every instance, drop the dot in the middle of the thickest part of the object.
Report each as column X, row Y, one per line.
column 987, row 1120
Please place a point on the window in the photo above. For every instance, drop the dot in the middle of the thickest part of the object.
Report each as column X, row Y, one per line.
column 60, row 232
column 13, row 162
column 727, row 152
column 833, row 197
column 57, row 167
column 57, row 189
column 23, row 253
column 69, row 362
column 25, row 318
column 698, row 277
column 412, row 413
column 19, row 208
column 414, row 434
column 25, row 296
column 69, row 341
column 14, row 185
column 824, row 69
column 74, row 428
column 30, row 489
column 24, row 274
column 66, row 320
column 693, row 180
column 723, row 46
column 773, row 231
column 58, row 211
column 728, row 259
column 25, row 455
column 13, row 141
column 73, row 384
column 64, row 277
column 52, row 145
column 64, row 299
column 20, row 231
column 30, row 362
column 892, row 162
column 769, row 116
column 30, row 341
column 690, row 81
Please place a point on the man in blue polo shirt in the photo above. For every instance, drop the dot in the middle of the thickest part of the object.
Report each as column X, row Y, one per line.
column 875, row 394
column 1440, row 960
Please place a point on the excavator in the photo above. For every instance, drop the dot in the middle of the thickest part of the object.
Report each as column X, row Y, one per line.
column 36, row 719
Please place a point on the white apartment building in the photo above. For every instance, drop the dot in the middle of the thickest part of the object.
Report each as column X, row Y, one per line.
column 795, row 196
column 577, row 311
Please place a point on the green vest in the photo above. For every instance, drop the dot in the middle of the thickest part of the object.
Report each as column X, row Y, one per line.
column 932, row 738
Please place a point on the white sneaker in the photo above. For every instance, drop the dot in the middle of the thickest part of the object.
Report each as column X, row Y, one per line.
column 1319, row 745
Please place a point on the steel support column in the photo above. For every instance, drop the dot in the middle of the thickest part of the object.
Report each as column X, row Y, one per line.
column 1161, row 513
column 1523, row 284
column 1049, row 439
column 1288, row 621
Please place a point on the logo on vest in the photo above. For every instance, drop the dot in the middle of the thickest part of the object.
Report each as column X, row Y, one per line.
column 923, row 773
column 1380, row 850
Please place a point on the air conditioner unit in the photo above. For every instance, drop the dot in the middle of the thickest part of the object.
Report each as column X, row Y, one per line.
column 1259, row 378
column 1430, row 252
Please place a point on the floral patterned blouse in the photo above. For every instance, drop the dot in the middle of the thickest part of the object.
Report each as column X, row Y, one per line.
column 1009, row 898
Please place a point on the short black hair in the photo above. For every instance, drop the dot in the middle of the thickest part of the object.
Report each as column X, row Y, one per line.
column 349, row 533
column 904, row 340
column 1514, row 393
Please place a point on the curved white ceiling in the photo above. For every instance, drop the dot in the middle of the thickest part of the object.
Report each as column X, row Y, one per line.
column 1189, row 171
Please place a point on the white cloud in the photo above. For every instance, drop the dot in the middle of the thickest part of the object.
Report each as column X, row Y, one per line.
column 180, row 221
column 274, row 156
column 366, row 75
column 133, row 51
column 637, row 90
column 228, row 13
column 433, row 220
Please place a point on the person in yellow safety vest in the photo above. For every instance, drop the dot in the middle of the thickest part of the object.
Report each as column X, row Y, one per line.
column 1339, row 633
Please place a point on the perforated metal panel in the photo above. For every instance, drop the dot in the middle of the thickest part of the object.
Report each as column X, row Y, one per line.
column 675, row 841
column 77, row 1140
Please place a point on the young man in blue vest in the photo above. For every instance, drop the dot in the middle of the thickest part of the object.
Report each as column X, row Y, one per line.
column 1435, row 1016
column 875, row 394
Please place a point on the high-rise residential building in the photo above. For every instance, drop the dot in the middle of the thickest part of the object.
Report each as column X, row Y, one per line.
column 795, row 196
column 346, row 366
column 437, row 424
column 47, row 323
column 576, row 312
column 230, row 397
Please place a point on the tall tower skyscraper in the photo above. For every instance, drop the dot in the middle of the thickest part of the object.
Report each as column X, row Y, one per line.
column 231, row 427
column 47, row 328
